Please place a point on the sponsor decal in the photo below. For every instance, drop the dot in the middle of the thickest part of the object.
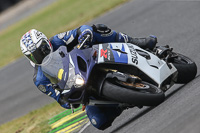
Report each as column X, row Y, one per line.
column 107, row 53
column 108, row 34
column 133, row 54
column 27, row 39
column 31, row 47
column 42, row 88
column 114, row 54
column 38, row 34
column 120, row 55
column 104, row 53
column 60, row 74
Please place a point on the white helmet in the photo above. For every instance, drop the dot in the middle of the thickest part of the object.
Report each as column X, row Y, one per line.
column 35, row 46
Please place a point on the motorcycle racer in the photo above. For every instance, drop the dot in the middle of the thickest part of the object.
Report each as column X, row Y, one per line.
column 36, row 46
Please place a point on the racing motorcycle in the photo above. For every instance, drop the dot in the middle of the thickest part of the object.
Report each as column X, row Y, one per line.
column 117, row 73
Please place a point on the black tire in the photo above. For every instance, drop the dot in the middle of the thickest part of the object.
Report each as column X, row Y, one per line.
column 186, row 68
column 112, row 90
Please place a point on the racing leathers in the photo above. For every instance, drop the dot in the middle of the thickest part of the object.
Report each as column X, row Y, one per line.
column 100, row 117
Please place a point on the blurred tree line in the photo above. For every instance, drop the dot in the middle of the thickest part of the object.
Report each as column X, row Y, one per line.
column 4, row 4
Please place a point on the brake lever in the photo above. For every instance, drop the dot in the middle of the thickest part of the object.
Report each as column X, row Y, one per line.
column 81, row 45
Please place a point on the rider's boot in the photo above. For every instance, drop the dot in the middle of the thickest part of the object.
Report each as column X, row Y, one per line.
column 146, row 43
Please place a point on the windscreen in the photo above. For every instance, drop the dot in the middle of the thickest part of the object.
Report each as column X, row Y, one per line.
column 55, row 62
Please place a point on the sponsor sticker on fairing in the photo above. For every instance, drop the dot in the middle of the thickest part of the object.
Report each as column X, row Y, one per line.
column 113, row 53
column 42, row 88
column 133, row 54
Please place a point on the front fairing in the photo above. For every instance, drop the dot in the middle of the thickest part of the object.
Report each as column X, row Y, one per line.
column 83, row 61
column 63, row 66
column 62, row 69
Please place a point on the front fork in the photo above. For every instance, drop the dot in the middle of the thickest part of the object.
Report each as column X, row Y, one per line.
column 119, row 76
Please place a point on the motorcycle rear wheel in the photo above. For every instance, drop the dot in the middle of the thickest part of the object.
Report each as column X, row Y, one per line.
column 186, row 68
column 141, row 94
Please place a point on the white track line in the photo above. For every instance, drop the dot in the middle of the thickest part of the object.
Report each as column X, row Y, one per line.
column 84, row 127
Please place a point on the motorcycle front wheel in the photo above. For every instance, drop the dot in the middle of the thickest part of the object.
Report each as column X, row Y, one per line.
column 139, row 94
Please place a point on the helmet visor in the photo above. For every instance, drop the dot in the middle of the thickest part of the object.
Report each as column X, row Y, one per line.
column 42, row 50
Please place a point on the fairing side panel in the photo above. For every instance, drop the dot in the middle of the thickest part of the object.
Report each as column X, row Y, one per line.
column 125, row 53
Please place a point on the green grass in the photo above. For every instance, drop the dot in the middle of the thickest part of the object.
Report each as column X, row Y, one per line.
column 34, row 122
column 61, row 16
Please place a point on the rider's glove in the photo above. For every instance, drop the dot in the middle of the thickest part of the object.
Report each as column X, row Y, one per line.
column 84, row 35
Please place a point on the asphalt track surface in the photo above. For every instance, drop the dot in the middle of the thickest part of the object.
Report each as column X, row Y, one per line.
column 176, row 23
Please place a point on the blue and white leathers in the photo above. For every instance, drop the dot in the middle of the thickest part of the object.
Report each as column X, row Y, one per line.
column 100, row 117
column 70, row 38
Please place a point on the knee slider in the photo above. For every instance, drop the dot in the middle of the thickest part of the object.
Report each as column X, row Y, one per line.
column 99, row 122
column 96, row 117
